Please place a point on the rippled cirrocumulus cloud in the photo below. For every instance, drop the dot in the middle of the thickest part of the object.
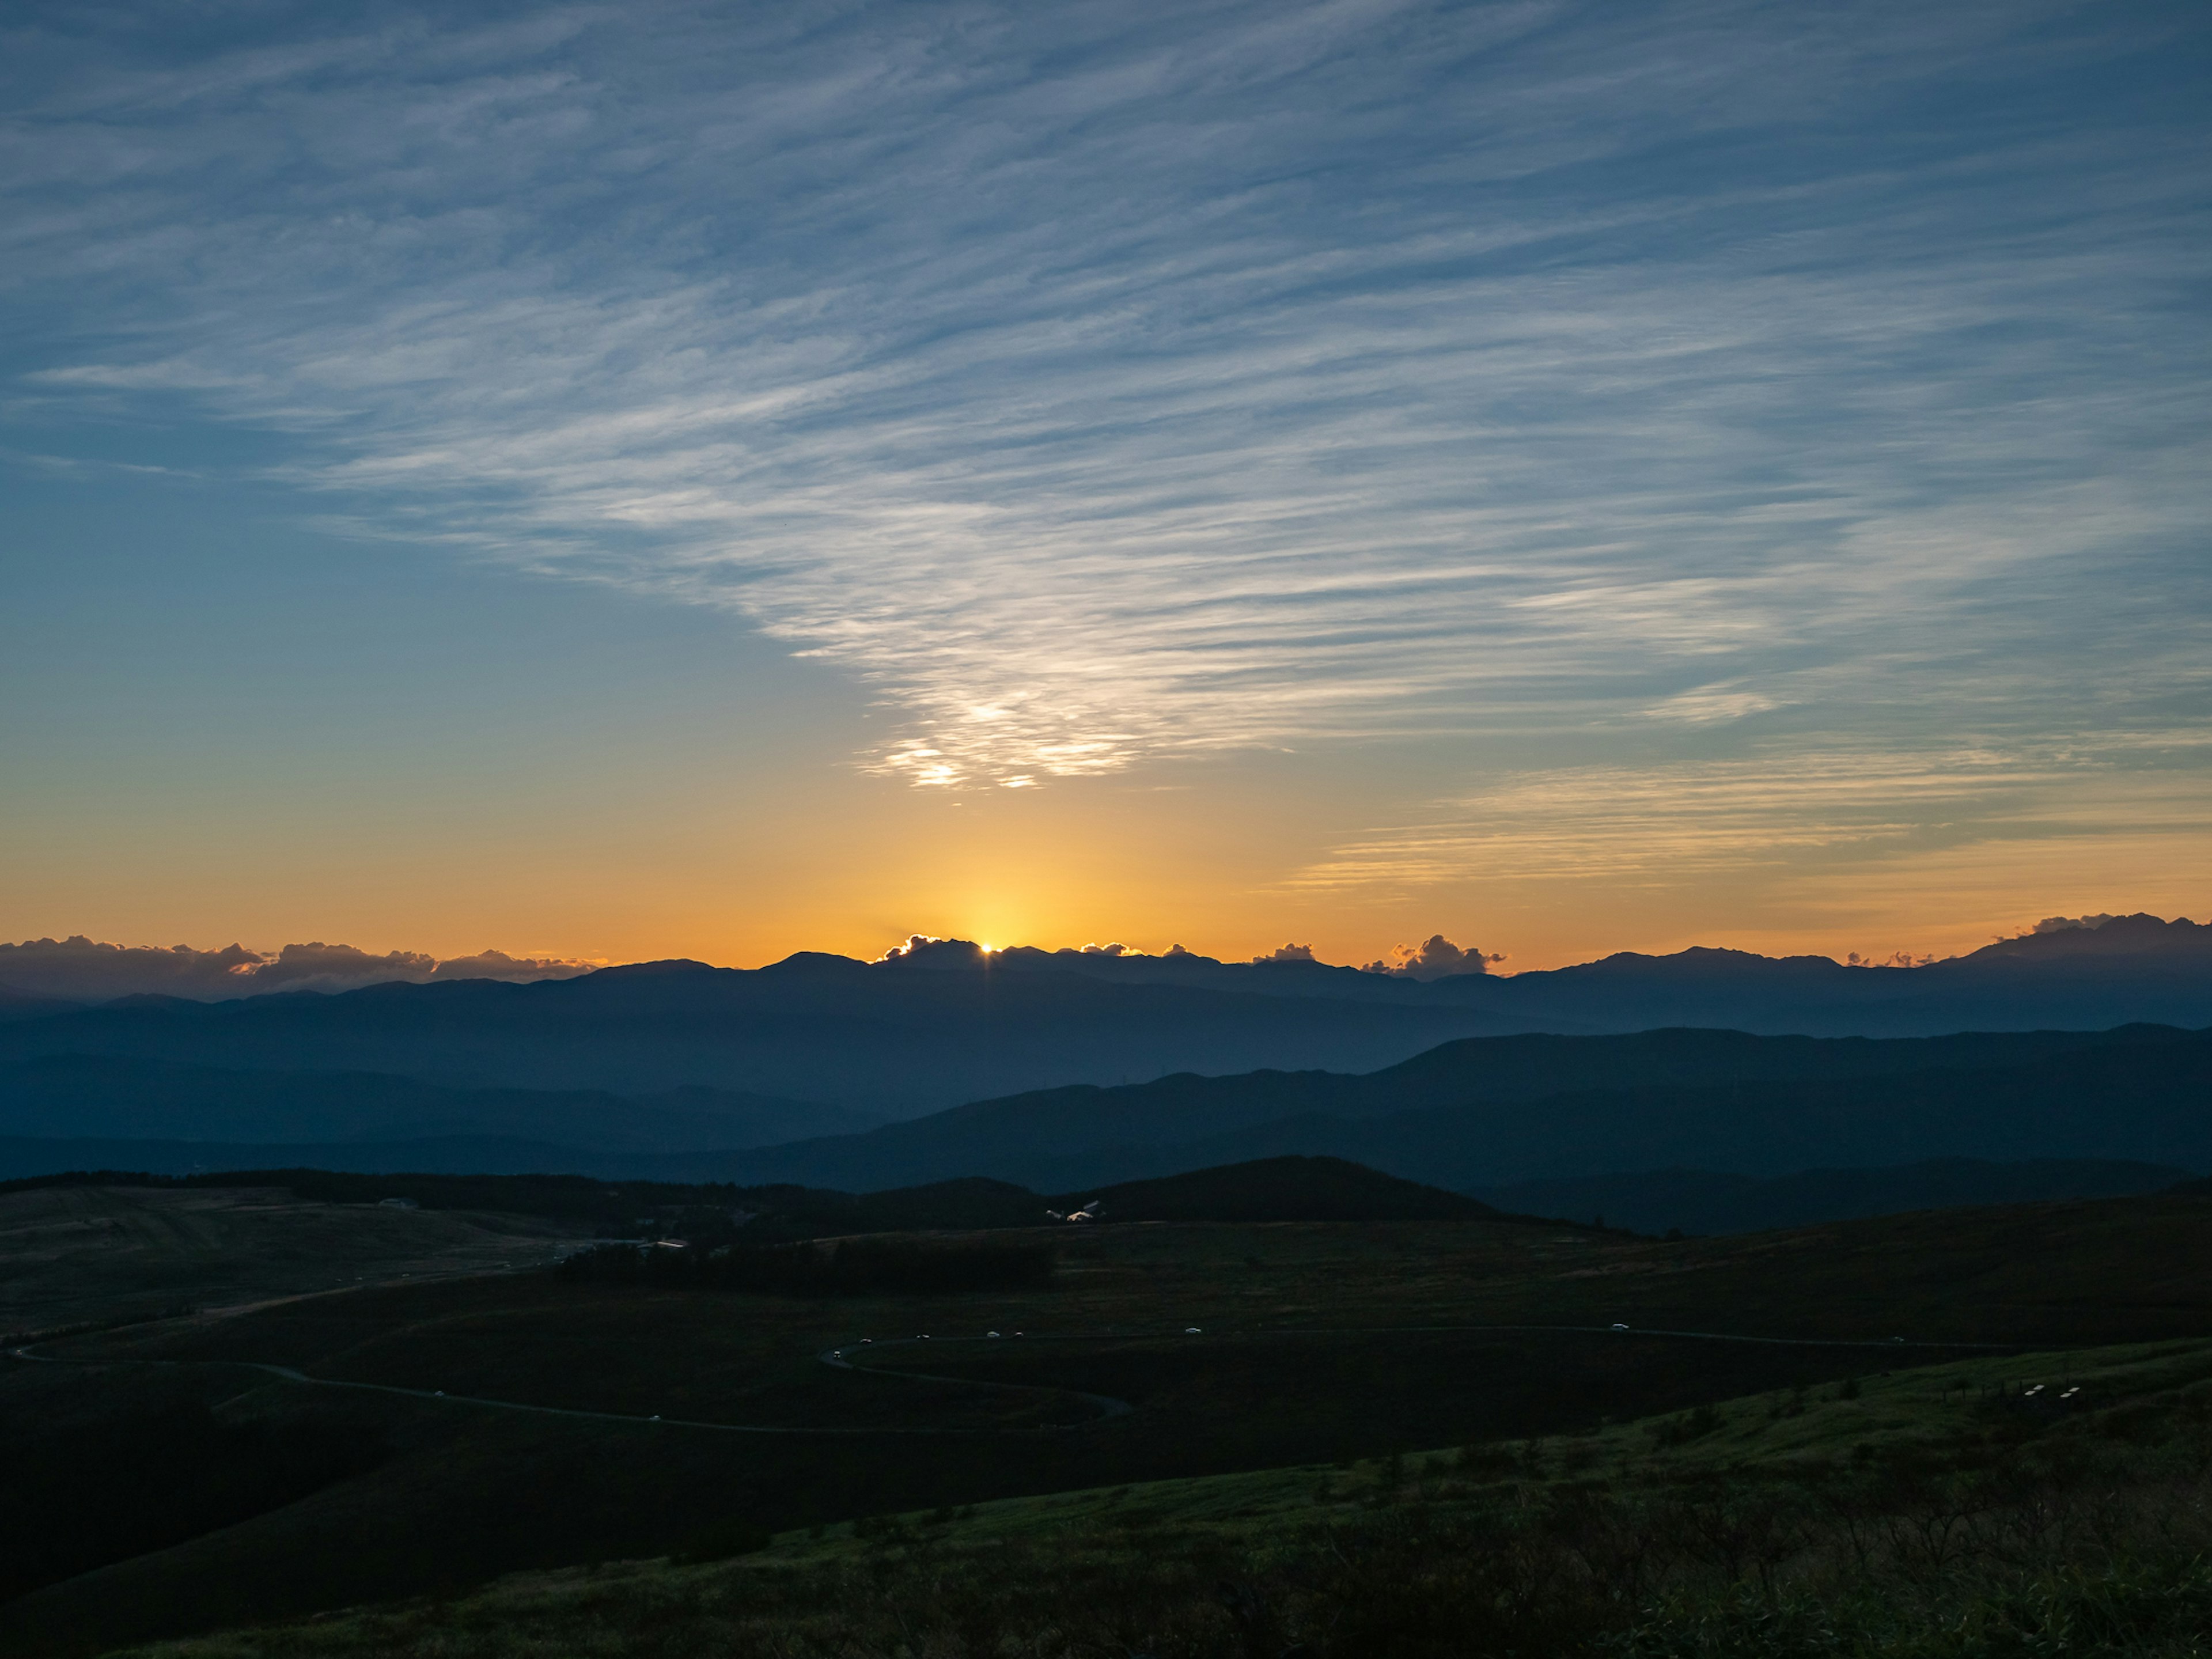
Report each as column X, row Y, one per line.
column 1106, row 382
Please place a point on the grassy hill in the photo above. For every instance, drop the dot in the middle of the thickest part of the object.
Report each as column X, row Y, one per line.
column 1275, row 1189
column 1708, row 1201
column 1278, row 1190
column 1315, row 1343
column 79, row 1252
column 1937, row 1510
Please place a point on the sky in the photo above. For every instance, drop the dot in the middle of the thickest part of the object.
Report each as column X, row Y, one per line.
column 605, row 482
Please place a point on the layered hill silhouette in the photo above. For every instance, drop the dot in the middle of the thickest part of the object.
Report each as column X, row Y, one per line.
column 2124, row 969
column 120, row 1098
column 885, row 1039
column 1770, row 1089
column 950, row 1024
column 1464, row 1115
column 1703, row 1202
column 1705, row 1126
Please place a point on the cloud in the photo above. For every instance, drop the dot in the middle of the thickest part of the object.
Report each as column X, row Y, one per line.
column 923, row 950
column 84, row 970
column 1705, row 704
column 1284, row 953
column 1786, row 805
column 2069, row 924
column 1105, row 385
column 78, row 966
column 497, row 964
column 318, row 965
column 1435, row 958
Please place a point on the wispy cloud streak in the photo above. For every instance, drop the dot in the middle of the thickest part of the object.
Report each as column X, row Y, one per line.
column 1102, row 384
column 1776, row 811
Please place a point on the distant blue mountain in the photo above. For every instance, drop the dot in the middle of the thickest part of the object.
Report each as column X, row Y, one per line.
column 886, row 1039
column 1480, row 1113
column 950, row 1024
column 82, row 1096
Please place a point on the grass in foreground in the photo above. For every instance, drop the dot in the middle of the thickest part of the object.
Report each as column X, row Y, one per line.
column 1941, row 1511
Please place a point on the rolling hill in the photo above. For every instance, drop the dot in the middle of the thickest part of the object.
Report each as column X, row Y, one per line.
column 1459, row 1117
column 1661, row 1128
column 96, row 1097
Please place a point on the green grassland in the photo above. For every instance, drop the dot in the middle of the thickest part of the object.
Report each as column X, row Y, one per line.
column 1930, row 1511
column 1290, row 1448
column 77, row 1253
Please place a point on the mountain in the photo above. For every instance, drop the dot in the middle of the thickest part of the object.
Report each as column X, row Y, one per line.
column 1706, row 1201
column 2139, row 935
column 25, row 1004
column 949, row 1023
column 1459, row 1115
column 884, row 1039
column 1468, row 1115
column 2119, row 970
column 94, row 1097
column 22, row 1158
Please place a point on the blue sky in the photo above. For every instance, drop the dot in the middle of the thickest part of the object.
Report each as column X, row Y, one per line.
column 1755, row 455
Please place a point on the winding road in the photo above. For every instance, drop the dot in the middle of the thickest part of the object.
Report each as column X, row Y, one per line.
column 1106, row 1407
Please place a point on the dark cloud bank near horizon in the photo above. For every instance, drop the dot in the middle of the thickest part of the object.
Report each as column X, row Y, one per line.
column 79, row 969
column 1435, row 958
column 84, row 970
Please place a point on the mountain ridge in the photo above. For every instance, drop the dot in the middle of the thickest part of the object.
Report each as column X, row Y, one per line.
column 111, row 1097
column 951, row 1024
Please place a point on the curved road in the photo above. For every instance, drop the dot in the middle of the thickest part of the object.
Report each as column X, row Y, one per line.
column 1109, row 1408
column 1106, row 1406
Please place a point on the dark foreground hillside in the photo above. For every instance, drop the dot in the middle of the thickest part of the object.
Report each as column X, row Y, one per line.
column 1153, row 1351
column 1938, row 1512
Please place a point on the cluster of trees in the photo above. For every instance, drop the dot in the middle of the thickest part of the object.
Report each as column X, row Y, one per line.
column 847, row 1267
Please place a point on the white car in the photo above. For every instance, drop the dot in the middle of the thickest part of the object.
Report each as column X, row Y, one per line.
column 1618, row 1326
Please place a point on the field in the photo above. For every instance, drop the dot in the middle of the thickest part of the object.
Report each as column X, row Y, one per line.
column 1341, row 1358
column 73, row 1254
column 1939, row 1510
